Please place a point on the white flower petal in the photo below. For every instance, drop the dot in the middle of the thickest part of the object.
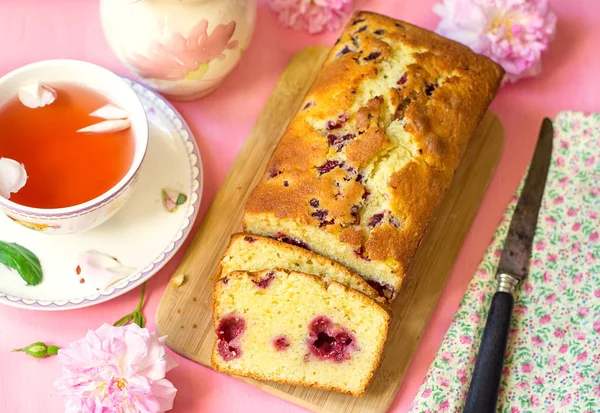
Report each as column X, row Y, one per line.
column 110, row 112
column 12, row 177
column 107, row 126
column 101, row 270
column 36, row 95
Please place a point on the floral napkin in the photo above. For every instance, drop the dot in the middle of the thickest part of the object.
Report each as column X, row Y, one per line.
column 553, row 353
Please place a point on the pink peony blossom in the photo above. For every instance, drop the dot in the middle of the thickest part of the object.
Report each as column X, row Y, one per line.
column 513, row 33
column 576, row 226
column 540, row 245
column 442, row 381
column 571, row 212
column 594, row 236
column 312, row 15
column 582, row 356
column 534, row 400
column 563, row 349
column 426, row 393
column 597, row 326
column 538, row 381
column 465, row 339
column 545, row 319
column 116, row 369
column 559, row 200
column 526, row 368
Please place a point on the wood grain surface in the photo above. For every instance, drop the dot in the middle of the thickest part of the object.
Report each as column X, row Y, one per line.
column 184, row 313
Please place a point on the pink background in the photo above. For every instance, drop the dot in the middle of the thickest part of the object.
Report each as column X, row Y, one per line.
column 36, row 30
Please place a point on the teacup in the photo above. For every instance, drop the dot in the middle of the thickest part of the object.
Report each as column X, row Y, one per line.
column 86, row 215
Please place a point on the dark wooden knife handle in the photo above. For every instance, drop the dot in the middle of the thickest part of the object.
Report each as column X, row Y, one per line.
column 485, row 383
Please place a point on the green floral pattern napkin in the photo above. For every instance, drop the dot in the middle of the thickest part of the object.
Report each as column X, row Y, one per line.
column 553, row 354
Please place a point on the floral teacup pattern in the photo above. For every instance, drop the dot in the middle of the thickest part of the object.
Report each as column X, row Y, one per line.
column 553, row 356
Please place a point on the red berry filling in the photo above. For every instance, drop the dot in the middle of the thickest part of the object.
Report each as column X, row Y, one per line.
column 329, row 342
column 289, row 240
column 230, row 329
column 376, row 219
column 329, row 166
column 384, row 290
column 265, row 281
column 281, row 343
column 249, row 239
column 373, row 56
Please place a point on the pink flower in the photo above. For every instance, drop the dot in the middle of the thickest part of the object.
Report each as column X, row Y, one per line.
column 560, row 162
column 547, row 276
column 442, row 381
column 312, row 15
column 551, row 299
column 116, row 369
column 578, row 378
column 550, row 221
column 564, row 144
column 540, row 246
column 551, row 361
column 583, row 311
column 427, row 393
column 180, row 57
column 514, row 409
column 582, row 356
column 552, row 257
column 597, row 293
column 594, row 236
column 592, row 214
column 534, row 400
column 563, row 181
column 528, row 288
column 579, row 335
column 571, row 212
column 576, row 247
column 537, row 341
column 462, row 375
column 523, row 385
column 563, row 370
column 595, row 191
column 444, row 406
column 526, row 368
column 590, row 161
column 465, row 340
column 558, row 333
column 475, row 317
column 597, row 390
column 558, row 200
column 545, row 319
column 538, row 381
column 498, row 253
column 597, row 326
column 564, row 238
column 447, row 356
column 578, row 278
column 563, row 349
column 512, row 33
column 566, row 400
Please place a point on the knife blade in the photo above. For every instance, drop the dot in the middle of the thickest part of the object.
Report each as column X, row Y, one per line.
column 512, row 269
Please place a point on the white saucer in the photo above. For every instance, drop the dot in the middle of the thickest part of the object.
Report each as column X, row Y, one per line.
column 142, row 235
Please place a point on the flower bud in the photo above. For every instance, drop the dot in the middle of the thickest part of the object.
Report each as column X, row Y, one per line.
column 39, row 350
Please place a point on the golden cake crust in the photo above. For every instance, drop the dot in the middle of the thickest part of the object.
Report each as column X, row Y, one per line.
column 318, row 282
column 375, row 143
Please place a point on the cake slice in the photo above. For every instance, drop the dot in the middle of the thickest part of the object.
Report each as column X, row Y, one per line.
column 247, row 252
column 296, row 328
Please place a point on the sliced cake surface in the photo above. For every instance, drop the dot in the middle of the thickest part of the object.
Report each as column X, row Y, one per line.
column 363, row 166
column 248, row 252
column 295, row 328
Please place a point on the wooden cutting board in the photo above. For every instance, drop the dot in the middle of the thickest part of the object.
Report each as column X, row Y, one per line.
column 184, row 314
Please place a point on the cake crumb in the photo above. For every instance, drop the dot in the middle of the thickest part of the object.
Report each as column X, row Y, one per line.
column 177, row 280
column 194, row 325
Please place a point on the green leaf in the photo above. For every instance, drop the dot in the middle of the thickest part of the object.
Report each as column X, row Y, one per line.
column 23, row 261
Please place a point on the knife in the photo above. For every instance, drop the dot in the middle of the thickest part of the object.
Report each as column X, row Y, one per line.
column 514, row 265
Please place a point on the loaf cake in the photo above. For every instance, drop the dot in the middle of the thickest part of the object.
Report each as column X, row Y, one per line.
column 296, row 328
column 362, row 167
column 247, row 252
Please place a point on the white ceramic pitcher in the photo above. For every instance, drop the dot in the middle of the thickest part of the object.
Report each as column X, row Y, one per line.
column 181, row 48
